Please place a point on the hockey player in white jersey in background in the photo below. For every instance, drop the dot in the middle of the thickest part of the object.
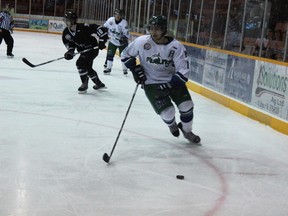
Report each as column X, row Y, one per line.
column 119, row 34
column 163, row 71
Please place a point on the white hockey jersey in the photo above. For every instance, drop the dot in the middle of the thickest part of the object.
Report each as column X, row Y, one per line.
column 160, row 61
column 115, row 31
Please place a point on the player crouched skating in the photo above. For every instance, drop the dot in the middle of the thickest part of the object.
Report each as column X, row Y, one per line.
column 163, row 71
column 82, row 37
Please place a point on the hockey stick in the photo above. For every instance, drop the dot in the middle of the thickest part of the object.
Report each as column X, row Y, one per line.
column 33, row 65
column 106, row 157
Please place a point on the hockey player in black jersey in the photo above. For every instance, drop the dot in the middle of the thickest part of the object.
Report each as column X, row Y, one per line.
column 80, row 36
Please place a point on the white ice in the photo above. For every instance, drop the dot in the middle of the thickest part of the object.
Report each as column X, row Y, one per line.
column 53, row 139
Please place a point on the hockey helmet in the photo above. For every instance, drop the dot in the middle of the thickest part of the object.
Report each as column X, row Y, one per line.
column 159, row 21
column 119, row 12
column 71, row 16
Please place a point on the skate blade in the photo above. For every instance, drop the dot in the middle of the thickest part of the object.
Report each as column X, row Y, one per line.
column 102, row 88
column 82, row 92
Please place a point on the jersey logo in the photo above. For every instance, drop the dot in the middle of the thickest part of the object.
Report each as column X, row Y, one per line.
column 157, row 60
column 68, row 37
column 147, row 46
column 114, row 31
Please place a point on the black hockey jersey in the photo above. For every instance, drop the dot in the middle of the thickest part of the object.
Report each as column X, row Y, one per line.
column 84, row 37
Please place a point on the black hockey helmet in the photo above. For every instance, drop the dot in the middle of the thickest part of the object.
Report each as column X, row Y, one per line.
column 119, row 12
column 71, row 16
column 159, row 21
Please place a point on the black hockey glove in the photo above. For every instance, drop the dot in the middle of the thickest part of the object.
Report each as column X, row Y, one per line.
column 102, row 32
column 101, row 45
column 176, row 81
column 69, row 55
column 123, row 40
column 138, row 74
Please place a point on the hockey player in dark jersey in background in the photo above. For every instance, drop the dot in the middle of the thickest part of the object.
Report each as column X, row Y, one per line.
column 81, row 37
column 6, row 28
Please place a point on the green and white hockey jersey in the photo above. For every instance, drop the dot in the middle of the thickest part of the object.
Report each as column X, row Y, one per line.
column 116, row 31
column 159, row 61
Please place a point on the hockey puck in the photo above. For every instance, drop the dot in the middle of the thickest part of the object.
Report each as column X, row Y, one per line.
column 180, row 177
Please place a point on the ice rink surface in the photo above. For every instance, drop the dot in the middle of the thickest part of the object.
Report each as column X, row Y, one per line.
column 52, row 141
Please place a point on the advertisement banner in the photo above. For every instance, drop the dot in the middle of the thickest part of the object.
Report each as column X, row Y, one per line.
column 214, row 70
column 270, row 89
column 197, row 60
column 56, row 26
column 38, row 24
column 239, row 78
column 21, row 23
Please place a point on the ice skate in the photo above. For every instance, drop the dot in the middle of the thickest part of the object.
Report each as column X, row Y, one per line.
column 10, row 55
column 83, row 88
column 125, row 72
column 99, row 86
column 190, row 135
column 174, row 130
column 107, row 71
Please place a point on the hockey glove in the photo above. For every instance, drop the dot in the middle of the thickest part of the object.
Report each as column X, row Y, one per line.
column 101, row 45
column 102, row 32
column 123, row 40
column 69, row 55
column 176, row 81
column 138, row 74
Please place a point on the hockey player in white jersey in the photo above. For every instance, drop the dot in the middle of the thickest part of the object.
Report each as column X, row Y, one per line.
column 163, row 71
column 119, row 34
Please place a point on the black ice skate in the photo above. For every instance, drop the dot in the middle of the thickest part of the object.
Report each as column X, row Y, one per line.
column 189, row 135
column 10, row 55
column 174, row 130
column 125, row 72
column 83, row 88
column 99, row 86
column 107, row 71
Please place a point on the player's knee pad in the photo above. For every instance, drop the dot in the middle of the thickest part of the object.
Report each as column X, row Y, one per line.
column 168, row 115
column 186, row 111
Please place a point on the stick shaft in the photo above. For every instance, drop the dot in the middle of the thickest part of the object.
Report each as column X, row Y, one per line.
column 53, row 60
column 124, row 120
